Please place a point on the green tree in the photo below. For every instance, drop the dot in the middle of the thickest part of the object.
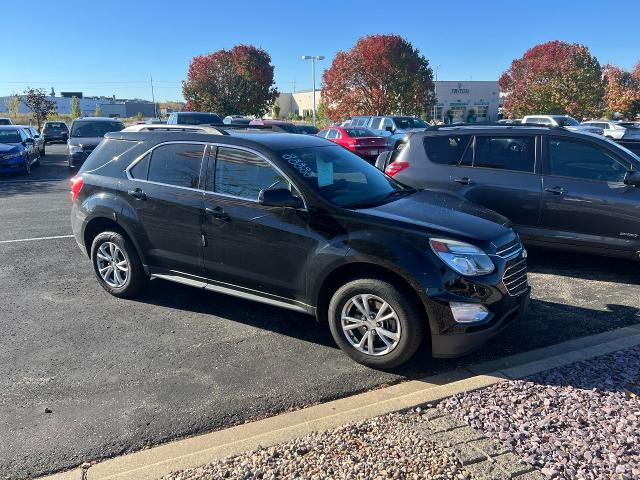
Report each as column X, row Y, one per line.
column 98, row 112
column 13, row 105
column 139, row 116
column 554, row 78
column 227, row 82
column 75, row 108
column 276, row 110
column 38, row 102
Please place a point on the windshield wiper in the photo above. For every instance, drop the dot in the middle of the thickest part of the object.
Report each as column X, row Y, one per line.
column 380, row 200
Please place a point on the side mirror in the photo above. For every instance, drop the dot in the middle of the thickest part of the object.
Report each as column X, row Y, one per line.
column 389, row 128
column 36, row 135
column 279, row 197
column 29, row 140
column 632, row 178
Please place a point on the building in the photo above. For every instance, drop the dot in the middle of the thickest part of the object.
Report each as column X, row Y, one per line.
column 455, row 101
column 458, row 100
column 110, row 106
column 298, row 103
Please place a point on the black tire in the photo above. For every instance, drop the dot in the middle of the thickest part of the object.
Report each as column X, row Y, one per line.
column 411, row 317
column 136, row 278
column 44, row 150
column 27, row 167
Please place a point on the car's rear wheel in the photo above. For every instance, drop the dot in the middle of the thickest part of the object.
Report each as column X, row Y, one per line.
column 375, row 323
column 117, row 265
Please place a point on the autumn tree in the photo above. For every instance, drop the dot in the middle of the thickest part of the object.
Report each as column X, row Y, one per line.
column 381, row 74
column 98, row 112
column 37, row 100
column 75, row 108
column 554, row 78
column 621, row 92
column 227, row 82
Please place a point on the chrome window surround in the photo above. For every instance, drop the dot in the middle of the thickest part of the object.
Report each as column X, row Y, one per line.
column 210, row 144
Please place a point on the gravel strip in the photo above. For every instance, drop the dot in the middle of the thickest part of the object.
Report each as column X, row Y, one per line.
column 577, row 421
column 378, row 448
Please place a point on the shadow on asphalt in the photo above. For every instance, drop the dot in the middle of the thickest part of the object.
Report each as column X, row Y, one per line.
column 545, row 323
column 583, row 266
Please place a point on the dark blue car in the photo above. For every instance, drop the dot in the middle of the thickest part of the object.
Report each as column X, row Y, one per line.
column 14, row 150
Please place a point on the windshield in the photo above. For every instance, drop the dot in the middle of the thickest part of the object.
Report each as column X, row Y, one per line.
column 409, row 122
column 621, row 147
column 55, row 126
column 567, row 121
column 342, row 177
column 95, row 129
column 359, row 132
column 198, row 118
column 9, row 136
column 287, row 127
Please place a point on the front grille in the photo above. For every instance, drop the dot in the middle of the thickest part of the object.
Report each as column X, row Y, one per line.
column 515, row 278
column 510, row 248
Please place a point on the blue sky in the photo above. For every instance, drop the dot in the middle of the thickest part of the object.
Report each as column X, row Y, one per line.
column 114, row 46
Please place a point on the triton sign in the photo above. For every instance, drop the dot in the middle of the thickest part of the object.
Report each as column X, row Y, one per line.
column 460, row 90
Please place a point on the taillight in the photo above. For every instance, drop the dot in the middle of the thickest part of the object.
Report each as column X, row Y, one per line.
column 396, row 167
column 76, row 184
column 351, row 144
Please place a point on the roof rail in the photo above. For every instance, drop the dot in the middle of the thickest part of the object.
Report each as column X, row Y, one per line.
column 493, row 124
column 176, row 128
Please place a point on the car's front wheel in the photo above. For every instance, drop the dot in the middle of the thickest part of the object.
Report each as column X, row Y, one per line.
column 375, row 323
column 27, row 166
column 117, row 265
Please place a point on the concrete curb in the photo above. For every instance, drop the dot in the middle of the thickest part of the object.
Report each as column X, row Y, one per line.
column 191, row 452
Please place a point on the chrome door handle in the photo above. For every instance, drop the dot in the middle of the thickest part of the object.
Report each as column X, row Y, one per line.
column 556, row 190
column 463, row 180
column 217, row 213
column 138, row 194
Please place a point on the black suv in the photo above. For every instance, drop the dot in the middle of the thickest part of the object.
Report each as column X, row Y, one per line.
column 55, row 132
column 301, row 223
column 86, row 134
column 560, row 189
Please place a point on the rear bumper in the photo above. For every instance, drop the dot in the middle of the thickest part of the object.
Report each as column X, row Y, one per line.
column 55, row 138
column 458, row 344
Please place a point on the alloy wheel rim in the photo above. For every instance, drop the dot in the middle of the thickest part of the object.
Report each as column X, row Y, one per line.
column 112, row 264
column 370, row 324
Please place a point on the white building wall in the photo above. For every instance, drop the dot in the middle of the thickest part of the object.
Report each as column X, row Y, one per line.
column 461, row 97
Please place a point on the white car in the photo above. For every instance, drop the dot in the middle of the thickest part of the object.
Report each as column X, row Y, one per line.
column 616, row 130
column 565, row 121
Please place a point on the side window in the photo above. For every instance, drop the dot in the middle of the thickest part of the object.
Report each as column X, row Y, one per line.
column 446, row 150
column 333, row 133
column 570, row 158
column 23, row 134
column 375, row 123
column 387, row 122
column 141, row 169
column 506, row 153
column 338, row 134
column 243, row 174
column 323, row 133
column 177, row 164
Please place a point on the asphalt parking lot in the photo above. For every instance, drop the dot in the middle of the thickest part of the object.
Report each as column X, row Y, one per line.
column 118, row 375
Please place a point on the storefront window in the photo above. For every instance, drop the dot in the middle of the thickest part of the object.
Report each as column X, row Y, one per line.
column 482, row 112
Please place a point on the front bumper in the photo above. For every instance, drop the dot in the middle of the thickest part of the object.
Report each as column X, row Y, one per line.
column 77, row 159
column 461, row 343
column 14, row 165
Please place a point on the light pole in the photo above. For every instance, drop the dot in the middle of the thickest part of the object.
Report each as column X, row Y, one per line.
column 313, row 59
column 435, row 88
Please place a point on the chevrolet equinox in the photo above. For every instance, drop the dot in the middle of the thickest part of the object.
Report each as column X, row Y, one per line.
column 298, row 222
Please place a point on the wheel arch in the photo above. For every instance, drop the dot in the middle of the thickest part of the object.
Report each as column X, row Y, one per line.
column 97, row 225
column 353, row 270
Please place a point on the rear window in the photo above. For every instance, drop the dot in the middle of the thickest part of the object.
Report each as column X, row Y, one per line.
column 359, row 132
column 198, row 118
column 446, row 150
column 108, row 150
column 88, row 128
column 5, row 121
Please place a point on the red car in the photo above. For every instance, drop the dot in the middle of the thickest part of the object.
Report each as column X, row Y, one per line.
column 360, row 140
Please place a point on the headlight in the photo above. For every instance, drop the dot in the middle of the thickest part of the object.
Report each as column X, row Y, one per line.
column 462, row 257
column 11, row 156
column 75, row 148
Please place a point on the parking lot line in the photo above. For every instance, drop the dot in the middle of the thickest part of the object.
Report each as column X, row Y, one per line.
column 35, row 239
column 35, row 180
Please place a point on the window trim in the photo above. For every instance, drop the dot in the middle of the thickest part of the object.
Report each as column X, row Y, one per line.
column 214, row 158
column 536, row 153
column 209, row 147
column 546, row 172
column 150, row 151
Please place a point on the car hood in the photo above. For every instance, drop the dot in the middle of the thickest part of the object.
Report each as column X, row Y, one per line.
column 9, row 147
column 85, row 141
column 445, row 213
column 584, row 128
